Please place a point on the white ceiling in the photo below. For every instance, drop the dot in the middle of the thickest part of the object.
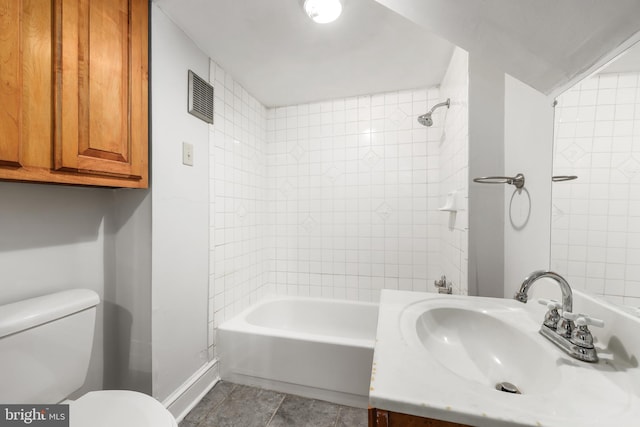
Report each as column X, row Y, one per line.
column 544, row 43
column 629, row 61
column 282, row 57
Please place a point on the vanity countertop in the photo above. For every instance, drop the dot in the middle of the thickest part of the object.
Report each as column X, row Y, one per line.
column 440, row 356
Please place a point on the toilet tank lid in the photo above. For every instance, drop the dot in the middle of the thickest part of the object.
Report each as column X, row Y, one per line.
column 25, row 314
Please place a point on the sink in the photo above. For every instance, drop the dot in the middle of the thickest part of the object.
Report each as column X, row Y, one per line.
column 478, row 343
column 442, row 356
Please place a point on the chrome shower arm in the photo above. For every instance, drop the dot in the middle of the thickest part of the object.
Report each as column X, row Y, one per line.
column 426, row 120
column 446, row 103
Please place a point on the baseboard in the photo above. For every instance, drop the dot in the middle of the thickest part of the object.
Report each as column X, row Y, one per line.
column 187, row 396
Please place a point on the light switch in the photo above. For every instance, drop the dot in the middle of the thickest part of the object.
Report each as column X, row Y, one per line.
column 187, row 154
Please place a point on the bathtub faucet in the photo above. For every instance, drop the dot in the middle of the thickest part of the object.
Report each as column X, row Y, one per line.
column 559, row 328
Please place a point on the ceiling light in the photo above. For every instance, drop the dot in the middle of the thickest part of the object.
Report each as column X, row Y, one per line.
column 323, row 11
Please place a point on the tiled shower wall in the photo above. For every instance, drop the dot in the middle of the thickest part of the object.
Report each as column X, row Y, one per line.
column 237, row 263
column 454, row 173
column 353, row 192
column 596, row 219
column 335, row 199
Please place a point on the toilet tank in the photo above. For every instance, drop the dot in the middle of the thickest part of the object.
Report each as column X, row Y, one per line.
column 45, row 346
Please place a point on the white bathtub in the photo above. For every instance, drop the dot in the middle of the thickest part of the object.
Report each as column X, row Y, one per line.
column 317, row 348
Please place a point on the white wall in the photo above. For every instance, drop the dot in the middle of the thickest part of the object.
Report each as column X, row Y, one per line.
column 238, row 183
column 596, row 221
column 528, row 133
column 131, row 327
column 454, row 172
column 180, row 247
column 486, row 158
column 55, row 238
column 354, row 186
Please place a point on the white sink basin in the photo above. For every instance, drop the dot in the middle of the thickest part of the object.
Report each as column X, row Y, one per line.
column 441, row 356
column 478, row 342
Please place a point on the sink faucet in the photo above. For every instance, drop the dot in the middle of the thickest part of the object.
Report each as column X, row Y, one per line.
column 567, row 295
column 558, row 328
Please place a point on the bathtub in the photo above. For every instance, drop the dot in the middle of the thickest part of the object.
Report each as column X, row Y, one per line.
column 316, row 348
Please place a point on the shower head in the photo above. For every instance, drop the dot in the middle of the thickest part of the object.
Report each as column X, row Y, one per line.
column 426, row 120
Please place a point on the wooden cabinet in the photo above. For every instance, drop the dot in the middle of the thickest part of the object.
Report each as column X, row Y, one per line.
column 73, row 91
column 380, row 418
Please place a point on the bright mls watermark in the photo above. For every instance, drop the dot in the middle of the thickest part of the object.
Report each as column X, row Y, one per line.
column 34, row 415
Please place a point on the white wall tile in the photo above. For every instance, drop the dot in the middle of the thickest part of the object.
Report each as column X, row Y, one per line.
column 351, row 206
column 238, row 199
column 452, row 167
column 595, row 220
column 336, row 199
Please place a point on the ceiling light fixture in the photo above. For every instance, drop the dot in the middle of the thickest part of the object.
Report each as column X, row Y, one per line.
column 323, row 11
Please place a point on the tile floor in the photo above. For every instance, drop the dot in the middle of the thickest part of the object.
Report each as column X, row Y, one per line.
column 232, row 405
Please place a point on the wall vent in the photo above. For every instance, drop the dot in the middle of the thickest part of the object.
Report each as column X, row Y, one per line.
column 200, row 98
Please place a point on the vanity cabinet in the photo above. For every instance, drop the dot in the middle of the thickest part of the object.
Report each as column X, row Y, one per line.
column 74, row 92
column 381, row 418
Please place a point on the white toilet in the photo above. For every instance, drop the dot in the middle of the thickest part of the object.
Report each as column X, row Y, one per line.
column 45, row 347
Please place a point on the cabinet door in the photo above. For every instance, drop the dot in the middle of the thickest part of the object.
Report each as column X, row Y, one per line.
column 382, row 418
column 10, row 82
column 101, row 83
column 25, row 89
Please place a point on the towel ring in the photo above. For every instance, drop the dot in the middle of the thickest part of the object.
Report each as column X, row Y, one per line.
column 517, row 180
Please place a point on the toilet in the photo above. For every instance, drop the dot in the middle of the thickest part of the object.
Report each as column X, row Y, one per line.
column 45, row 348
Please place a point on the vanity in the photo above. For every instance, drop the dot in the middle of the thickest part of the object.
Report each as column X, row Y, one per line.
column 448, row 360
column 381, row 418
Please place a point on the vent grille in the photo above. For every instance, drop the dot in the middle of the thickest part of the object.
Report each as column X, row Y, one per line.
column 200, row 98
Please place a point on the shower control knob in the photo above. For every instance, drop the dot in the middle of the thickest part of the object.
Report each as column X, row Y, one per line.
column 442, row 283
column 443, row 286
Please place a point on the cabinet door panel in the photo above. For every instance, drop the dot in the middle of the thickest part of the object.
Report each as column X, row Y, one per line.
column 106, row 105
column 99, row 76
column 37, row 107
column 10, row 82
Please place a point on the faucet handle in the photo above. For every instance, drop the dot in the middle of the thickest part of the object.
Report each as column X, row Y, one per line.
column 550, row 303
column 552, row 317
column 581, row 336
column 584, row 320
column 571, row 316
column 566, row 324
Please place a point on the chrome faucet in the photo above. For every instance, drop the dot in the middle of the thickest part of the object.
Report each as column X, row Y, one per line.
column 559, row 328
column 567, row 295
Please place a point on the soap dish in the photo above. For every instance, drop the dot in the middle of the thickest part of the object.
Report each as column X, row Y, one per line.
column 451, row 204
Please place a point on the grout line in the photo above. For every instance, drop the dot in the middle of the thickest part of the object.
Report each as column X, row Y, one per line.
column 340, row 408
column 215, row 407
column 226, row 397
column 276, row 410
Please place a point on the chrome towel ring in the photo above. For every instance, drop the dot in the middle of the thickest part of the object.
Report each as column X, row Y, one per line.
column 517, row 180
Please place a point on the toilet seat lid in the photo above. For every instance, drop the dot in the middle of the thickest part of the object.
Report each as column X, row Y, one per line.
column 111, row 408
